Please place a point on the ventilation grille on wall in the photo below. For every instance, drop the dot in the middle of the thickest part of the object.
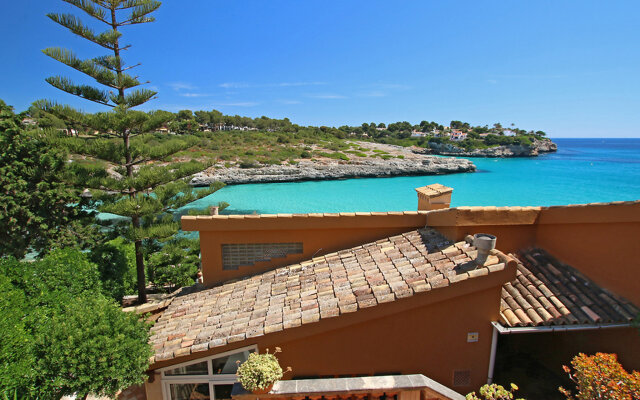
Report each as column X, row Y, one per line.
column 462, row 378
column 235, row 255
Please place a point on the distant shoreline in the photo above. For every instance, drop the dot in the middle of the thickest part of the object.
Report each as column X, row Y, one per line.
column 402, row 162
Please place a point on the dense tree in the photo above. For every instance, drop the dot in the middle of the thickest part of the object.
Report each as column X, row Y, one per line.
column 35, row 207
column 175, row 263
column 115, row 260
column 464, row 126
column 134, row 175
column 62, row 335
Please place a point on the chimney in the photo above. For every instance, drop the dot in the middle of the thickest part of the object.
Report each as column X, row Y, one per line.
column 484, row 243
column 433, row 197
column 214, row 210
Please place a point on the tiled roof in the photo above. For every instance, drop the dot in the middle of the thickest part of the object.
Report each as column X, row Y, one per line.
column 548, row 292
column 325, row 287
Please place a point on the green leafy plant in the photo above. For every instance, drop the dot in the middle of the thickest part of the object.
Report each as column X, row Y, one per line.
column 601, row 377
column 493, row 392
column 61, row 336
column 260, row 371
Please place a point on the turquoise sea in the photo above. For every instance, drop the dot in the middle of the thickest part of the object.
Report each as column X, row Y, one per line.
column 582, row 171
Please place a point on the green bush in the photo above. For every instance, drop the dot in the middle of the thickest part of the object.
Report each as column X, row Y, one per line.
column 175, row 264
column 249, row 164
column 117, row 267
column 61, row 335
column 260, row 371
column 493, row 392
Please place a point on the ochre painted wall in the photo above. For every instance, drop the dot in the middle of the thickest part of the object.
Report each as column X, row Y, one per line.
column 425, row 333
column 316, row 242
column 431, row 340
column 600, row 240
column 606, row 253
column 320, row 235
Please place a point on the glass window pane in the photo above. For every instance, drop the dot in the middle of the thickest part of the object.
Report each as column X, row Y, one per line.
column 228, row 365
column 191, row 369
column 190, row 391
column 222, row 392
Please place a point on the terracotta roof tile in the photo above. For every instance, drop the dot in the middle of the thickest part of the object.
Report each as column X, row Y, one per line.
column 325, row 287
column 549, row 292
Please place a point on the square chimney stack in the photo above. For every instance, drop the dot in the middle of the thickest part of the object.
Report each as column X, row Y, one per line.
column 433, row 197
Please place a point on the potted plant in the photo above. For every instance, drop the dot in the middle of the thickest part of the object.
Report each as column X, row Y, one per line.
column 260, row 372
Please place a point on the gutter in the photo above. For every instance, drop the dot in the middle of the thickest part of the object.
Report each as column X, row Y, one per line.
column 499, row 329
column 555, row 328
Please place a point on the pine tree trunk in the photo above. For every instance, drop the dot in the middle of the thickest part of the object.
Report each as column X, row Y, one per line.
column 142, row 292
column 135, row 221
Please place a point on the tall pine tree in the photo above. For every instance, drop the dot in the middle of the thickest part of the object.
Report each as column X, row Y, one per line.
column 133, row 184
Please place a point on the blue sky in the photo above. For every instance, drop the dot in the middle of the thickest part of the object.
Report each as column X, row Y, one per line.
column 570, row 68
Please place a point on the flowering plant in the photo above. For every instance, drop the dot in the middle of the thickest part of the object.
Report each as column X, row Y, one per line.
column 601, row 377
column 493, row 392
column 260, row 371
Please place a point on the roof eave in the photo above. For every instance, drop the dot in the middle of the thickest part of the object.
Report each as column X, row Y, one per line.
column 507, row 330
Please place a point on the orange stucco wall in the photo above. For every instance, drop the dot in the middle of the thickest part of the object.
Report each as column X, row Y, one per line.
column 431, row 340
column 600, row 240
column 320, row 235
column 425, row 333
column 606, row 253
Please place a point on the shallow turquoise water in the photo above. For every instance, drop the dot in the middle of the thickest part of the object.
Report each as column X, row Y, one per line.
column 582, row 171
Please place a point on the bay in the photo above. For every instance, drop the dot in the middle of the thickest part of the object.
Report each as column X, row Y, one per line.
column 582, row 171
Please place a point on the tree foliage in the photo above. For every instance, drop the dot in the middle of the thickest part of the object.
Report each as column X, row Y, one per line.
column 61, row 335
column 35, row 206
column 124, row 185
column 175, row 263
column 601, row 376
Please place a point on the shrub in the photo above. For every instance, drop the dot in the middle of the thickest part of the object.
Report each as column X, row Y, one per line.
column 249, row 164
column 493, row 392
column 601, row 377
column 175, row 264
column 260, row 371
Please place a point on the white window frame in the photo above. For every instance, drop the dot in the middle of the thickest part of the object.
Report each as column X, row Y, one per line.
column 211, row 378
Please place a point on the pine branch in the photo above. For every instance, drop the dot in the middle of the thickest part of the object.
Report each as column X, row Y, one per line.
column 88, row 67
column 64, row 112
column 85, row 91
column 134, row 98
column 105, row 39
column 86, row 6
column 109, row 62
column 156, row 231
column 126, row 4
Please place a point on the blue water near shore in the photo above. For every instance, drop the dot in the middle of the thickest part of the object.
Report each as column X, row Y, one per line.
column 582, row 171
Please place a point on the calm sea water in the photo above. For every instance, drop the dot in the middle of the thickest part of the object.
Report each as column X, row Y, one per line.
column 582, row 171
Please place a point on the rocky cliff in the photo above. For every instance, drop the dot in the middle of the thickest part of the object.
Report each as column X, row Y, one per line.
column 321, row 170
column 538, row 146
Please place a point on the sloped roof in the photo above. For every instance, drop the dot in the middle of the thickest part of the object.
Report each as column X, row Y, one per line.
column 325, row 287
column 549, row 292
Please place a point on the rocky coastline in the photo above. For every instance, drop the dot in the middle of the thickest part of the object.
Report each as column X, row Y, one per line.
column 449, row 149
column 327, row 170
